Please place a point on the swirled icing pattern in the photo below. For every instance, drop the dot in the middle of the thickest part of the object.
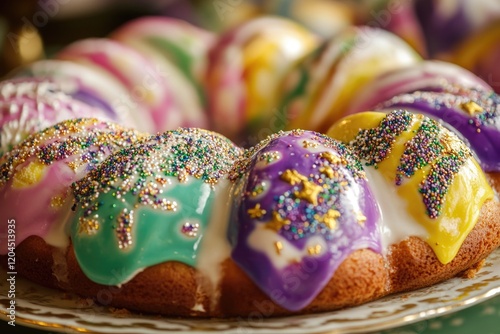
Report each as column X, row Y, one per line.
column 428, row 166
column 474, row 114
column 150, row 203
column 244, row 73
column 302, row 202
column 318, row 90
column 30, row 105
column 150, row 86
column 88, row 85
column 177, row 41
column 429, row 75
column 36, row 175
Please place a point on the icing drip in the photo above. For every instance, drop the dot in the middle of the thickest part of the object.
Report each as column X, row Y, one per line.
column 35, row 175
column 310, row 204
column 430, row 143
column 154, row 202
column 429, row 170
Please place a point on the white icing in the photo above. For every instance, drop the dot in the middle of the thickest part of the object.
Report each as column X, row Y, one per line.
column 58, row 235
column 202, row 201
column 198, row 307
column 397, row 223
column 264, row 240
column 215, row 247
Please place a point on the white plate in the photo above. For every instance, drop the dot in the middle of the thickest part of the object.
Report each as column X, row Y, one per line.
column 53, row 310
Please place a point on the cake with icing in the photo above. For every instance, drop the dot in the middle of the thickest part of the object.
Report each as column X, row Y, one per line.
column 181, row 221
column 472, row 113
column 88, row 85
column 302, row 222
column 245, row 69
column 35, row 177
column 317, row 91
column 28, row 106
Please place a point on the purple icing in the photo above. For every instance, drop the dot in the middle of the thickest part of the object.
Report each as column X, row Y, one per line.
column 93, row 99
column 430, row 76
column 442, row 32
column 445, row 25
column 474, row 116
column 344, row 193
column 76, row 90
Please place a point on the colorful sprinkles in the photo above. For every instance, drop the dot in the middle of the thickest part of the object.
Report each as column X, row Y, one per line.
column 374, row 145
column 78, row 142
column 190, row 230
column 242, row 166
column 124, row 228
column 434, row 187
column 144, row 171
column 431, row 145
column 311, row 203
column 421, row 150
column 483, row 107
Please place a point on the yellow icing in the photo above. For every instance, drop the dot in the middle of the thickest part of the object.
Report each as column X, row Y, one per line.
column 462, row 203
column 265, row 59
column 29, row 175
column 353, row 60
column 478, row 45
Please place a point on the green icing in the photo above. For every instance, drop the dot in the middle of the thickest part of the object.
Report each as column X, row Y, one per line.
column 180, row 58
column 297, row 92
column 156, row 235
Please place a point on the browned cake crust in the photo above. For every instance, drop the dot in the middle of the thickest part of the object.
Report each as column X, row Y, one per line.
column 175, row 289
column 34, row 261
column 494, row 181
column 413, row 263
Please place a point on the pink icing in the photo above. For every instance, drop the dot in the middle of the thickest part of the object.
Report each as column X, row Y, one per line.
column 29, row 105
column 142, row 77
column 31, row 206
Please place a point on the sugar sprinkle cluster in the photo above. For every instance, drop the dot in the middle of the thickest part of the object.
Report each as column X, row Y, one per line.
column 431, row 144
column 421, row 150
column 242, row 166
column 143, row 170
column 374, row 145
column 78, row 142
column 313, row 202
column 483, row 107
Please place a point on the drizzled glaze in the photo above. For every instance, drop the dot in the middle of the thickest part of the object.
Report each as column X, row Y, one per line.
column 150, row 203
column 302, row 201
column 428, row 167
column 35, row 175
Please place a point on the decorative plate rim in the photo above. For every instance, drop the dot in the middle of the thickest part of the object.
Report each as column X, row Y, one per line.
column 390, row 312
